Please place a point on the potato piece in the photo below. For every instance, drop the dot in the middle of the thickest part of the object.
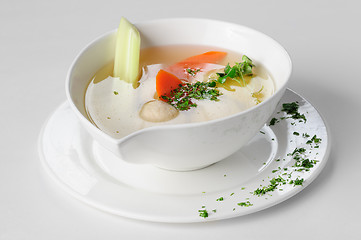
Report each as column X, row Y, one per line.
column 158, row 111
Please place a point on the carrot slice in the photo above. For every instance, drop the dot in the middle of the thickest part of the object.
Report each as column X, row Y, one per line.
column 207, row 57
column 195, row 62
column 166, row 82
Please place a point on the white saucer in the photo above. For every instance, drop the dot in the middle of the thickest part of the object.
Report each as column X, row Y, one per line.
column 95, row 176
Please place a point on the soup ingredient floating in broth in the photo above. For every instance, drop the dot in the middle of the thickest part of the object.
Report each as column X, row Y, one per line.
column 237, row 72
column 157, row 111
column 191, row 66
column 127, row 51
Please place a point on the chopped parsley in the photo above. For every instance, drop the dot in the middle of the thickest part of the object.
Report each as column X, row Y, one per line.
column 273, row 121
column 304, row 164
column 245, row 204
column 264, row 190
column 193, row 72
column 115, row 93
column 274, row 182
column 315, row 140
column 297, row 182
column 292, row 109
column 220, row 199
column 203, row 213
column 183, row 97
column 298, row 150
column 305, row 135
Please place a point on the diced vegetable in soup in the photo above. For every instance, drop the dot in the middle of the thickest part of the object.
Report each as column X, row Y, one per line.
column 178, row 84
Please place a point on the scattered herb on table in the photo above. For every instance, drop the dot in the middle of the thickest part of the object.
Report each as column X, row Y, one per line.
column 305, row 135
column 292, row 109
column 274, row 182
column 245, row 204
column 297, row 181
column 203, row 213
column 315, row 140
column 273, row 121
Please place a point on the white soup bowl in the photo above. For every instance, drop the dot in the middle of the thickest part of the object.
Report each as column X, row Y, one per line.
column 188, row 146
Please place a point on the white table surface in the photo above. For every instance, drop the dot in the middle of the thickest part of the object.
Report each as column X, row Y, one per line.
column 39, row 40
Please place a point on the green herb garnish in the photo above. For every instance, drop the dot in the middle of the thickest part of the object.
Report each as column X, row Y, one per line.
column 220, row 199
column 292, row 109
column 237, row 72
column 314, row 139
column 245, row 204
column 273, row 121
column 183, row 97
column 203, row 213
column 298, row 150
column 193, row 72
column 297, row 182
column 305, row 135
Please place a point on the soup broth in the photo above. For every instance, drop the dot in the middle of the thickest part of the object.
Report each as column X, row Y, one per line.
column 116, row 106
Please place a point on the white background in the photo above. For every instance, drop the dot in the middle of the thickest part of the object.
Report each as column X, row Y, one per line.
column 38, row 41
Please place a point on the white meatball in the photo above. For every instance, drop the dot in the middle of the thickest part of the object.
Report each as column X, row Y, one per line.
column 158, row 111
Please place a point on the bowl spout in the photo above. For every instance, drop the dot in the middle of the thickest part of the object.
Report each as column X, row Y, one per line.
column 192, row 146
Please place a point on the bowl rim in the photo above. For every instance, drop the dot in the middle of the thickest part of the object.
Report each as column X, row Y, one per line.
column 279, row 89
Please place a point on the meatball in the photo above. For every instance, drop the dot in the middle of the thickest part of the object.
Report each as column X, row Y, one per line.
column 158, row 111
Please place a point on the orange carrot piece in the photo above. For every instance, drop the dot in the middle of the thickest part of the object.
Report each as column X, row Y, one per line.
column 166, row 82
column 195, row 62
column 207, row 57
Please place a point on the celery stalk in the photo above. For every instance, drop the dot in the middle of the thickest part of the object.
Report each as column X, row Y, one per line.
column 127, row 51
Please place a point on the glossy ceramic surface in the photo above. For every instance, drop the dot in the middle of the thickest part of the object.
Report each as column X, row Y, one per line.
column 99, row 178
